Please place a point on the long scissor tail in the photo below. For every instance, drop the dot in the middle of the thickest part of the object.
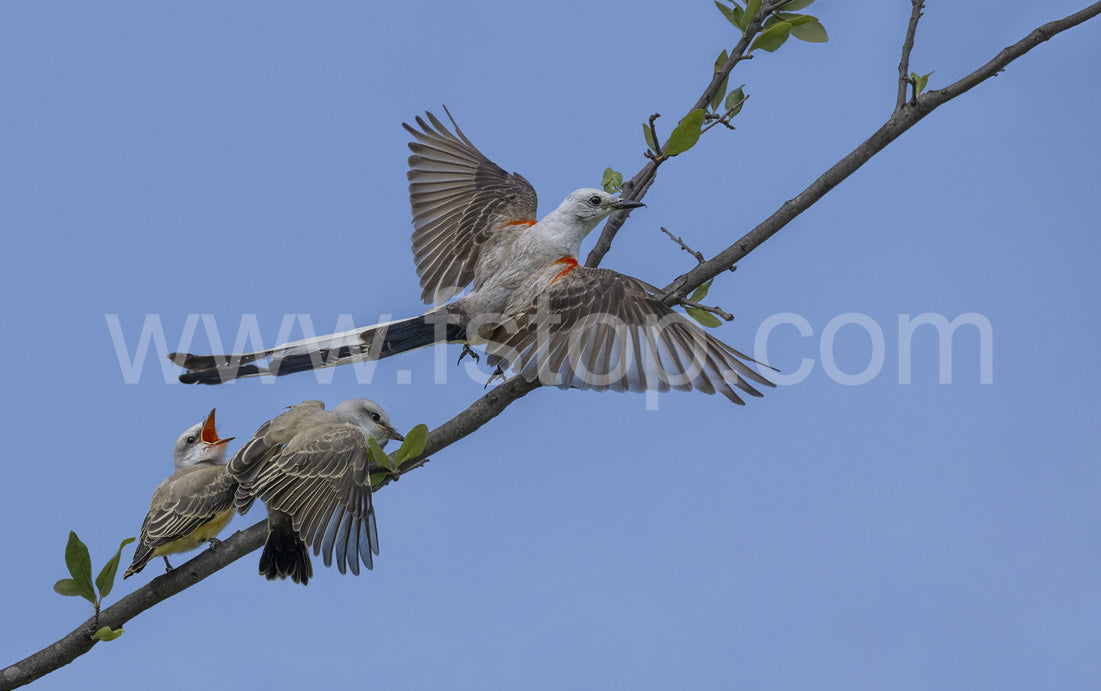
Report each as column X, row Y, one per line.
column 370, row 343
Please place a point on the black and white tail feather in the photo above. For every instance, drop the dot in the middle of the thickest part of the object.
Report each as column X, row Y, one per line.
column 356, row 345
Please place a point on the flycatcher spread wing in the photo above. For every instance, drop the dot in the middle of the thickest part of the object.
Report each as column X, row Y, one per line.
column 598, row 329
column 321, row 481
column 460, row 199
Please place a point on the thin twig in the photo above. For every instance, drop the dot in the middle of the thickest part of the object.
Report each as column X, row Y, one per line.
column 717, row 120
column 907, row 45
column 725, row 118
column 717, row 311
column 698, row 255
column 654, row 132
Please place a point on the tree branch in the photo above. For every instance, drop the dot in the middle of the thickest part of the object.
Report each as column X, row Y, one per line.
column 1008, row 55
column 900, row 121
column 907, row 45
column 494, row 402
column 637, row 186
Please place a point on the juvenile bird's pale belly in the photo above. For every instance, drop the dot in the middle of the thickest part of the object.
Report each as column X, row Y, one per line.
column 196, row 537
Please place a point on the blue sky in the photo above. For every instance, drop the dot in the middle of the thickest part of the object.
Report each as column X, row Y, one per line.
column 248, row 159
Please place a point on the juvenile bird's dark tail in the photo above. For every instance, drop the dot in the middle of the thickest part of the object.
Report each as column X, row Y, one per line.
column 285, row 554
column 370, row 343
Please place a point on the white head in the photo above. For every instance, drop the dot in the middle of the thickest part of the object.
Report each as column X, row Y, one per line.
column 200, row 444
column 588, row 206
column 369, row 417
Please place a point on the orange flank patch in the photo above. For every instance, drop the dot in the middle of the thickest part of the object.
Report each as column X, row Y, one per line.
column 570, row 263
column 527, row 222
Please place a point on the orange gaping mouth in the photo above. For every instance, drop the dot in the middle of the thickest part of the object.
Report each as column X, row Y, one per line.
column 210, row 434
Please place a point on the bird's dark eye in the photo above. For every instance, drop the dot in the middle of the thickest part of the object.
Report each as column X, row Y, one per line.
column 594, row 200
column 191, row 440
column 376, row 417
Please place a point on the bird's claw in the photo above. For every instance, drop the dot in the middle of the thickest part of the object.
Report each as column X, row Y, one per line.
column 497, row 374
column 467, row 350
column 168, row 568
column 213, row 541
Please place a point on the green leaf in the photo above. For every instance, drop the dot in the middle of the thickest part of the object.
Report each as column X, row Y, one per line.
column 772, row 37
column 795, row 19
column 706, row 318
column 67, row 586
column 106, row 578
column 752, row 7
column 80, row 566
column 811, row 30
column 378, row 456
column 721, row 60
column 613, row 181
column 727, row 12
column 718, row 97
column 919, row 81
column 414, row 443
column 377, row 478
column 734, row 100
column 686, row 133
column 648, row 134
column 701, row 292
column 740, row 20
column 795, row 5
column 106, row 633
column 733, row 14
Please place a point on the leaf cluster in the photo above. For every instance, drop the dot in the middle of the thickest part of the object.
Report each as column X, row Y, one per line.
column 409, row 452
column 79, row 563
column 777, row 26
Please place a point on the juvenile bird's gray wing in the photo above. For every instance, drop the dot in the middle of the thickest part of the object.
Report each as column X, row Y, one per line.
column 320, row 479
column 607, row 331
column 179, row 506
column 460, row 199
column 266, row 442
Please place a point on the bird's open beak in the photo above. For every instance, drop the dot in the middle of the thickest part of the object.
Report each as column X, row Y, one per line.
column 210, row 434
column 627, row 204
column 392, row 433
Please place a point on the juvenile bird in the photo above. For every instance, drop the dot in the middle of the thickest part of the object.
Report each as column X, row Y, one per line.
column 310, row 466
column 193, row 504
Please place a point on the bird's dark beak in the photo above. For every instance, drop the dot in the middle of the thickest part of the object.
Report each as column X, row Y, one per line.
column 392, row 433
column 626, row 204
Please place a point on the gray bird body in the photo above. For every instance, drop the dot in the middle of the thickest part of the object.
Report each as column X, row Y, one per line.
column 310, row 467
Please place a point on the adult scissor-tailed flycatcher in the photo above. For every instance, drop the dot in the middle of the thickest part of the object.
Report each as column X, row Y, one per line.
column 193, row 504
column 534, row 307
column 310, row 466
